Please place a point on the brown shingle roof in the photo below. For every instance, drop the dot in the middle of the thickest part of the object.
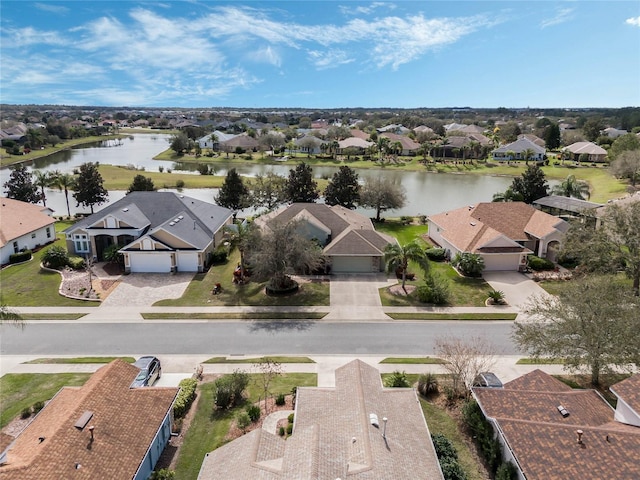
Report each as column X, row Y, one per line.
column 20, row 218
column 333, row 437
column 126, row 421
column 544, row 442
column 629, row 391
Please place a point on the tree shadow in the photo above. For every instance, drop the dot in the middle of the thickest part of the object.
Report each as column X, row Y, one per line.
column 275, row 326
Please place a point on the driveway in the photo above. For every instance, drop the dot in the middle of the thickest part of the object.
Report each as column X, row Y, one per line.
column 516, row 286
column 145, row 289
column 356, row 296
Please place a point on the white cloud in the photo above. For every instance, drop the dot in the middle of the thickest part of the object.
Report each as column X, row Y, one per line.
column 364, row 9
column 562, row 15
column 24, row 37
column 47, row 7
column 267, row 54
column 635, row 21
column 329, row 59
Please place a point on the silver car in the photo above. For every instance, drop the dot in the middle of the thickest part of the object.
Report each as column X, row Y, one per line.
column 150, row 371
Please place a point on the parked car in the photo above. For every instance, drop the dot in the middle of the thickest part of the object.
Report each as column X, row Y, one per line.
column 150, row 371
column 487, row 379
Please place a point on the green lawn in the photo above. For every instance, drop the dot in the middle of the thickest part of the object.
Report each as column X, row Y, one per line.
column 76, row 360
column 237, row 316
column 199, row 291
column 413, row 360
column 22, row 390
column 254, row 360
column 26, row 285
column 119, row 178
column 540, row 361
column 210, row 427
column 403, row 233
column 52, row 316
column 453, row 316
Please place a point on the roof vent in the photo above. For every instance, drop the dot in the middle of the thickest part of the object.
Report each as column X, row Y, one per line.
column 473, row 224
column 83, row 420
column 180, row 217
column 125, row 209
column 563, row 411
column 373, row 419
column 171, row 224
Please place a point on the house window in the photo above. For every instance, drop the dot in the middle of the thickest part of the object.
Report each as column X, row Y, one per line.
column 48, row 232
column 33, row 235
column 81, row 243
column 15, row 247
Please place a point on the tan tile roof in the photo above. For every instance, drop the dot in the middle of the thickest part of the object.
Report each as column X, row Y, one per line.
column 629, row 391
column 126, row 421
column 470, row 228
column 544, row 442
column 333, row 437
column 20, row 218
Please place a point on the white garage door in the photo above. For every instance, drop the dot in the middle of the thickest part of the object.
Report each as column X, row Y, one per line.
column 150, row 262
column 351, row 265
column 501, row 262
column 187, row 261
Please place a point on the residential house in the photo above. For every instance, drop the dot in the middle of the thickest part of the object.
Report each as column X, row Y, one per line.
column 349, row 241
column 104, row 429
column 516, row 151
column 456, row 146
column 157, row 232
column 593, row 152
column 423, row 128
column 409, row 147
column 356, row 132
column 551, row 431
column 357, row 144
column 502, row 233
column 24, row 226
column 309, row 144
column 534, row 138
column 242, row 141
column 398, row 129
column 355, row 430
column 614, row 132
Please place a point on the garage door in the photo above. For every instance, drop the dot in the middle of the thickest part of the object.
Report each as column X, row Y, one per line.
column 351, row 265
column 501, row 262
column 187, row 261
column 150, row 262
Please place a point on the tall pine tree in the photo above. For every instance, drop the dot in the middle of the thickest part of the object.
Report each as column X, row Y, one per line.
column 20, row 186
column 301, row 187
column 88, row 189
column 343, row 189
column 233, row 194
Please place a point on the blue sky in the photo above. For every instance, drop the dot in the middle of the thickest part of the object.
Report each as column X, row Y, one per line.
column 321, row 54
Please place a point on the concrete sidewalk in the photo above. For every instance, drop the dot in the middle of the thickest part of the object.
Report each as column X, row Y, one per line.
column 177, row 367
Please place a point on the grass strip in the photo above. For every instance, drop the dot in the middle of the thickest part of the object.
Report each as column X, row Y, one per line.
column 237, row 316
column 278, row 359
column 21, row 390
column 51, row 316
column 453, row 316
column 413, row 360
column 540, row 361
column 81, row 360
column 210, row 426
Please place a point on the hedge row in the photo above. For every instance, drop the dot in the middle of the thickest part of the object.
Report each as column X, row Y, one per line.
column 20, row 257
column 185, row 398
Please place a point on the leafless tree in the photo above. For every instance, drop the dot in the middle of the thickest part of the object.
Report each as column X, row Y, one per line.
column 465, row 358
column 268, row 370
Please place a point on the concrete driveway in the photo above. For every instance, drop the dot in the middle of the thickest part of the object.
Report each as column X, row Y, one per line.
column 516, row 286
column 356, row 296
column 145, row 289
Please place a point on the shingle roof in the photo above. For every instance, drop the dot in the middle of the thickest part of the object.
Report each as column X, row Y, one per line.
column 333, row 437
column 629, row 391
column 586, row 147
column 126, row 421
column 20, row 218
column 354, row 142
column 470, row 228
column 155, row 210
column 520, row 146
column 544, row 442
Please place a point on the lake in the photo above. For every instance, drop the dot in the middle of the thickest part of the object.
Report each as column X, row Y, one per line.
column 427, row 192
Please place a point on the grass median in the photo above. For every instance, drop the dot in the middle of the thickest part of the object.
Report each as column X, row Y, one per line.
column 80, row 360
column 278, row 359
column 236, row 316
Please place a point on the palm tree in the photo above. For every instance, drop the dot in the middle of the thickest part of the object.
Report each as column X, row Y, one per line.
column 398, row 257
column 240, row 235
column 42, row 180
column 383, row 146
column 572, row 187
column 9, row 315
column 527, row 155
column 66, row 182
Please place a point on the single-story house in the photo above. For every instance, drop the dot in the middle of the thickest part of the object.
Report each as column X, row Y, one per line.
column 355, row 430
column 613, row 132
column 549, row 430
column 212, row 140
column 157, row 232
column 242, row 141
column 310, row 144
column 409, row 147
column 104, row 429
column 534, row 138
column 502, row 233
column 594, row 152
column 349, row 241
column 24, row 226
column 515, row 151
column 354, row 143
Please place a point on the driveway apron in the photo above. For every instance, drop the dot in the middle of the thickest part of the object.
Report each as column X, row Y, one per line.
column 145, row 289
column 517, row 287
column 356, row 296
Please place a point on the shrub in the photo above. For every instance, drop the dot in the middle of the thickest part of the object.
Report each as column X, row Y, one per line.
column 243, row 420
column 289, row 428
column 161, row 169
column 406, row 220
column 290, row 418
column 219, row 255
column 163, row 474
column 496, row 295
column 77, row 263
column 228, row 390
column 422, row 219
column 112, row 255
column 38, row 406
column 427, row 384
column 397, row 379
column 434, row 290
column 451, row 470
column 483, row 434
column 253, row 411
column 280, row 399
column 185, row 397
column 436, row 254
column 281, row 431
column 470, row 264
column 179, row 183
column 506, row 471
column 538, row 264
column 55, row 257
column 25, row 413
column 20, row 257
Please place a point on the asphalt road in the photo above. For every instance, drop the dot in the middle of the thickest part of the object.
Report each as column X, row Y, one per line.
column 246, row 337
